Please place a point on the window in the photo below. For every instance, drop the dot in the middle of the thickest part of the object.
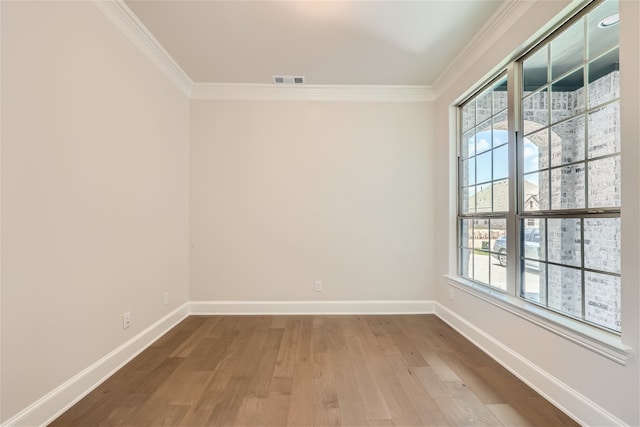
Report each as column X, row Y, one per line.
column 484, row 189
column 539, row 174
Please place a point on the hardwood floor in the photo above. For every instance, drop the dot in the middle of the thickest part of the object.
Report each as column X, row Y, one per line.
column 313, row 371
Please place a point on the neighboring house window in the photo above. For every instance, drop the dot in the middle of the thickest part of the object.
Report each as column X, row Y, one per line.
column 565, row 175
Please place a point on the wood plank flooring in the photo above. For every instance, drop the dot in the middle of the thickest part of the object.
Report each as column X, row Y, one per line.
column 313, row 371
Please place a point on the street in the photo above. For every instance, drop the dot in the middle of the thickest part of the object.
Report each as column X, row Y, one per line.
column 487, row 269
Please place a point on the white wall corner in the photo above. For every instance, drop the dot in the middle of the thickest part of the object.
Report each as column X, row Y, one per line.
column 495, row 28
column 312, row 307
column 128, row 23
column 56, row 402
column 344, row 93
column 571, row 402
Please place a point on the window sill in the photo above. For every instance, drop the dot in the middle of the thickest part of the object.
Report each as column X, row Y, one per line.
column 601, row 342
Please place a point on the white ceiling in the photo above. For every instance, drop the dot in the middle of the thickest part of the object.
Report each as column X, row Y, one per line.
column 328, row 42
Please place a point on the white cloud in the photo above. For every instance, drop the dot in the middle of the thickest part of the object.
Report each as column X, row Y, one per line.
column 482, row 145
column 529, row 152
column 530, row 149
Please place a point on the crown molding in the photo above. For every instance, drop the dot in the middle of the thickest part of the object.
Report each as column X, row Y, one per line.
column 128, row 23
column 355, row 93
column 510, row 11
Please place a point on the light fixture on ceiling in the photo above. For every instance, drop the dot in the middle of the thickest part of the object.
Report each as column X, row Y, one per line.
column 609, row 21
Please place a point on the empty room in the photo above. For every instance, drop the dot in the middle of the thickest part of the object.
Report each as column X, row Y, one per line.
column 319, row 213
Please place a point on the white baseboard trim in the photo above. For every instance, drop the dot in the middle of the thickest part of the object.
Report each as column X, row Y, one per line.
column 312, row 307
column 56, row 402
column 568, row 400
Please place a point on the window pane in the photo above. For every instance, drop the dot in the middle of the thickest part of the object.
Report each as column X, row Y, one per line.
column 567, row 96
column 602, row 39
column 468, row 200
column 567, row 142
column 469, row 115
column 604, row 183
column 536, row 191
column 567, row 50
column 602, row 297
column 466, row 263
column 466, row 233
column 484, row 103
column 604, row 130
column 499, row 242
column 484, row 198
column 497, row 228
column 536, row 151
column 500, row 132
column 496, row 260
column 501, row 196
column 500, row 162
column 564, row 241
column 565, row 290
column 542, row 231
column 468, row 144
column 483, row 137
column 602, row 244
column 467, row 242
column 534, row 285
column 534, row 71
column 567, row 187
column 500, row 95
column 481, row 266
column 535, row 111
column 498, row 275
column 604, row 79
column 533, row 239
column 483, row 168
column 469, row 172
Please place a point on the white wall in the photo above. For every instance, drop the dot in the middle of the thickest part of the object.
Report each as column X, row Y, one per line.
column 610, row 389
column 95, row 201
column 94, row 194
column 284, row 193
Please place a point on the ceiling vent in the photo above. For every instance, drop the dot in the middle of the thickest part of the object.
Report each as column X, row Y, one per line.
column 288, row 80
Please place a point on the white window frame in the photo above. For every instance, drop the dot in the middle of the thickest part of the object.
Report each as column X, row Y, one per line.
column 604, row 342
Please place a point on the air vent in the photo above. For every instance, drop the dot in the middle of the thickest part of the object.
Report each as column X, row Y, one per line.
column 288, row 80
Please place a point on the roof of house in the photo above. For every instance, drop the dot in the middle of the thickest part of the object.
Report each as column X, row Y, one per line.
column 498, row 193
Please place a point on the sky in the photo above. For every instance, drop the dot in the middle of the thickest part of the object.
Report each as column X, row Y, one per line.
column 482, row 146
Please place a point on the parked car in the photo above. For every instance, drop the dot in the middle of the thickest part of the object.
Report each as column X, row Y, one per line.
column 531, row 247
column 500, row 250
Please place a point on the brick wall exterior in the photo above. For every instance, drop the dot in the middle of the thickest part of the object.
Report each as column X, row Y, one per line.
column 601, row 236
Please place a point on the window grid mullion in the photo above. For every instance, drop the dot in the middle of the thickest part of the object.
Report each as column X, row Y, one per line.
column 515, row 124
column 546, row 259
column 585, row 78
column 582, row 271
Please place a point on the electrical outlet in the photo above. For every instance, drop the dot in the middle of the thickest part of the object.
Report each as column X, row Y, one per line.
column 126, row 320
column 318, row 287
column 166, row 298
column 451, row 294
